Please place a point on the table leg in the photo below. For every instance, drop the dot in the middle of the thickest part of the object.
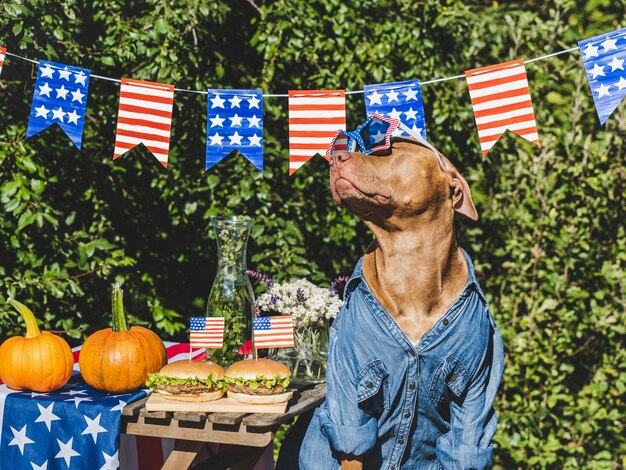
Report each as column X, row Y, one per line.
column 182, row 455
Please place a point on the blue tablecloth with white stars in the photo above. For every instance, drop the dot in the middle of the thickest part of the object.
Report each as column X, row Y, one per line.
column 76, row 427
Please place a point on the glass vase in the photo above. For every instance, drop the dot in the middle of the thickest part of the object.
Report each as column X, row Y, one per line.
column 307, row 359
column 231, row 294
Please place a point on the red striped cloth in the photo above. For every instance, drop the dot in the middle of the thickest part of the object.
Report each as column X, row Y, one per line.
column 314, row 118
column 501, row 101
column 3, row 52
column 144, row 116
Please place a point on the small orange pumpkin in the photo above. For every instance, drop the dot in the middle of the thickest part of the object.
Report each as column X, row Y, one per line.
column 39, row 361
column 119, row 359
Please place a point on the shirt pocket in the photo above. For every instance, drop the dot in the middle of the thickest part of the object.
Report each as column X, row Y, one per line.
column 373, row 388
column 449, row 382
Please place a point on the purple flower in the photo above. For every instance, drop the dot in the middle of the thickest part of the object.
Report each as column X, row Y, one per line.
column 261, row 277
column 300, row 295
column 339, row 280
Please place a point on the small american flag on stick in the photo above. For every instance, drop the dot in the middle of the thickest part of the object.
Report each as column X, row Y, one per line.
column 273, row 332
column 206, row 332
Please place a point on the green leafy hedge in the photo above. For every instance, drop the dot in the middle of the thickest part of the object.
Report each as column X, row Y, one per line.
column 549, row 247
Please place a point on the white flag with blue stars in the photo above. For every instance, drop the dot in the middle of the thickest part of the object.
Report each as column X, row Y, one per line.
column 234, row 122
column 60, row 97
column 603, row 58
column 398, row 100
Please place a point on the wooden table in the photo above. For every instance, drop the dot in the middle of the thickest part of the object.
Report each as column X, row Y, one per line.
column 250, row 433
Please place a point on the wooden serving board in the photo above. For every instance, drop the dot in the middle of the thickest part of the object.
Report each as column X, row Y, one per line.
column 226, row 405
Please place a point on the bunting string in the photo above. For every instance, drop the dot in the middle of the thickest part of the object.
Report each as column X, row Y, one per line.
column 286, row 95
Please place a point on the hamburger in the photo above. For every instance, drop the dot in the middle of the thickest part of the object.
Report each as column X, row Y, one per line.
column 258, row 381
column 187, row 380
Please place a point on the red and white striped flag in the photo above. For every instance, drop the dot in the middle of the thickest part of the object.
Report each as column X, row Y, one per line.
column 501, row 101
column 273, row 332
column 314, row 118
column 145, row 116
column 206, row 332
column 3, row 52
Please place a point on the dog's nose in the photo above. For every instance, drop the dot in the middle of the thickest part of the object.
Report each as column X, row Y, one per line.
column 339, row 157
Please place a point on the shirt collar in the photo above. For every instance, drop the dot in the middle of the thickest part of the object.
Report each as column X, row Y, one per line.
column 472, row 282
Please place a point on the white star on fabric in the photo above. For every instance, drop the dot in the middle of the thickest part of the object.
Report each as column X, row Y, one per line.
column 59, row 114
column 42, row 112
column 609, row 44
column 254, row 122
column 37, row 394
column 46, row 415
column 93, row 427
column 65, row 74
column 255, row 140
column 77, row 96
column 411, row 94
column 43, row 466
column 111, row 462
column 395, row 114
column 602, row 91
column 217, row 121
column 47, row 71
column 417, row 130
column 72, row 118
column 77, row 400
column 235, row 138
column 254, row 102
column 234, row 102
column 71, row 393
column 410, row 114
column 375, row 98
column 80, row 77
column 235, row 121
column 590, row 51
column 392, row 96
column 20, row 439
column 215, row 140
column 621, row 84
column 597, row 70
column 616, row 64
column 122, row 403
column 62, row 92
column 66, row 452
column 45, row 89
column 217, row 102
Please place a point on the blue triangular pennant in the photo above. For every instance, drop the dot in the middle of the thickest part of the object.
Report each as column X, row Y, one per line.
column 398, row 100
column 234, row 122
column 60, row 97
column 604, row 58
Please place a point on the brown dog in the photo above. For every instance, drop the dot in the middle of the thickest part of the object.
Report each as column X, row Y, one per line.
column 407, row 198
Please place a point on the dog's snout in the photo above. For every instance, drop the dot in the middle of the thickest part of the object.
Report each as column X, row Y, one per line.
column 339, row 157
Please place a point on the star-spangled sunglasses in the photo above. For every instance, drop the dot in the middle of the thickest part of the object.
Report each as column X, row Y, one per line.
column 374, row 135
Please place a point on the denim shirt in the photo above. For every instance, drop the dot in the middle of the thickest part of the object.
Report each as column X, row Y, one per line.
column 404, row 406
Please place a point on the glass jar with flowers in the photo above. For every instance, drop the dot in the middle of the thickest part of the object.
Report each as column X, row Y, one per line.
column 312, row 309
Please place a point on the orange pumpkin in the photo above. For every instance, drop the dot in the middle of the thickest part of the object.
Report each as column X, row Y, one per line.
column 39, row 361
column 119, row 359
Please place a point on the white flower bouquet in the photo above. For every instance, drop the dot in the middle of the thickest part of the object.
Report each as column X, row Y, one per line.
column 312, row 309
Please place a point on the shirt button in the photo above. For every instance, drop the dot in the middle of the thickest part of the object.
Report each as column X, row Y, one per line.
column 412, row 353
column 445, row 322
column 407, row 415
column 400, row 441
column 412, row 385
column 369, row 384
column 453, row 377
column 393, row 467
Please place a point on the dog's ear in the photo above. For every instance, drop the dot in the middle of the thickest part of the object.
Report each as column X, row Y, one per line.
column 461, row 194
